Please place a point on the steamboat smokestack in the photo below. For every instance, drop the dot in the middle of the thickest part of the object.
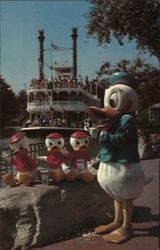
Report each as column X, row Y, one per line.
column 74, row 47
column 41, row 38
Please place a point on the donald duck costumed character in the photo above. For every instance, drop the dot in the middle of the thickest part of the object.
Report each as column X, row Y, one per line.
column 120, row 173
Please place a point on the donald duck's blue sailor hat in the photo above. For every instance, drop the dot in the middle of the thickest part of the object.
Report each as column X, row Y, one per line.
column 122, row 78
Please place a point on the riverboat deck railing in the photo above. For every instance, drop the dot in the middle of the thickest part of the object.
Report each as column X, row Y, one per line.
column 57, row 105
column 34, row 150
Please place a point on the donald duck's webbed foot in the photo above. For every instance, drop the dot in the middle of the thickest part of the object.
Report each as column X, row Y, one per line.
column 124, row 232
column 116, row 223
column 107, row 228
column 119, row 235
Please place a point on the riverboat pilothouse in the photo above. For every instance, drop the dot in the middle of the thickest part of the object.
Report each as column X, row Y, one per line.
column 61, row 102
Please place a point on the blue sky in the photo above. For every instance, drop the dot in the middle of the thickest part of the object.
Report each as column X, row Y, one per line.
column 20, row 22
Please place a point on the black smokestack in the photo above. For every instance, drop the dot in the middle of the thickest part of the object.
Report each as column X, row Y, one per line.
column 41, row 38
column 74, row 47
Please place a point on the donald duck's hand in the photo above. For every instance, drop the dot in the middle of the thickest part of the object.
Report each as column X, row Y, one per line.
column 65, row 168
column 95, row 134
column 6, row 156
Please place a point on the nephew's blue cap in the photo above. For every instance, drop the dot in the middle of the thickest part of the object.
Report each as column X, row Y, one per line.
column 122, row 78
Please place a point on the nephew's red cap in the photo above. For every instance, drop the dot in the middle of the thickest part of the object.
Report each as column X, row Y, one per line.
column 79, row 134
column 16, row 137
column 54, row 136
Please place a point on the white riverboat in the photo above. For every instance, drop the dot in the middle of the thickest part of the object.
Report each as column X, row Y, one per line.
column 61, row 102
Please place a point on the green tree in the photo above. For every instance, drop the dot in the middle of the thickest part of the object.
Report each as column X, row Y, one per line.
column 22, row 104
column 8, row 103
column 139, row 20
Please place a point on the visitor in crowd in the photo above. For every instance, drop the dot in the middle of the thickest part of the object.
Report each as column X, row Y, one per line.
column 59, row 122
column 64, row 122
column 51, row 121
column 45, row 121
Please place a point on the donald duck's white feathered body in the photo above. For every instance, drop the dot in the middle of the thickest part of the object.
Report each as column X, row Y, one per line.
column 120, row 172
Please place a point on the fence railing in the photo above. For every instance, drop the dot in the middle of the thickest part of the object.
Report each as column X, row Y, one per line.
column 34, row 150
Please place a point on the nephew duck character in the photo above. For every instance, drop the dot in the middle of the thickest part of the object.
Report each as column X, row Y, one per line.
column 57, row 159
column 25, row 165
column 79, row 157
column 120, row 173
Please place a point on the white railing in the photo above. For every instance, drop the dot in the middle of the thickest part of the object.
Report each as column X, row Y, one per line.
column 55, row 85
column 70, row 106
column 37, row 103
column 57, row 105
column 38, row 106
column 64, row 86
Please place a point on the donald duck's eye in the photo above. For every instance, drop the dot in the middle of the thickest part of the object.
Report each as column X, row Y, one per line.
column 77, row 142
column 50, row 144
column 86, row 141
column 59, row 142
column 113, row 100
column 112, row 103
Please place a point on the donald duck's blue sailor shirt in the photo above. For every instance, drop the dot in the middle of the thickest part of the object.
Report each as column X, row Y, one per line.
column 122, row 146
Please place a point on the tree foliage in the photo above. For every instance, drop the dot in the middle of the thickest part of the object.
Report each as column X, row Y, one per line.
column 12, row 106
column 139, row 20
column 8, row 102
column 22, row 104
